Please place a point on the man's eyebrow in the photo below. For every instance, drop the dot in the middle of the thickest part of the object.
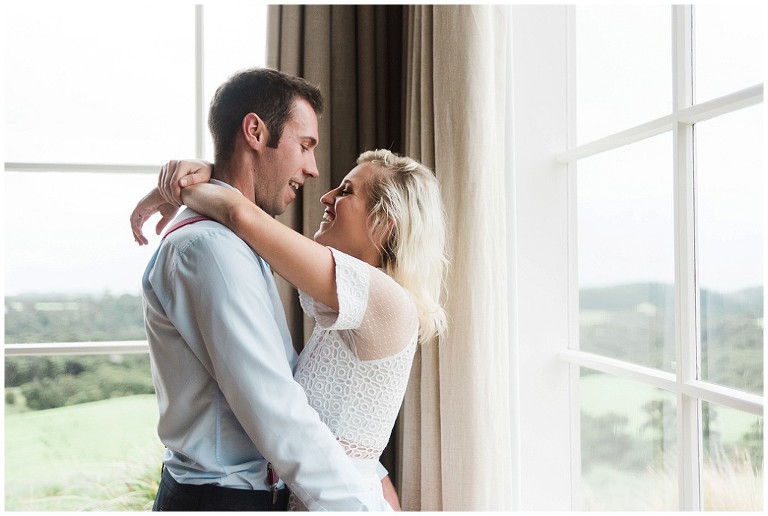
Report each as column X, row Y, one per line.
column 312, row 140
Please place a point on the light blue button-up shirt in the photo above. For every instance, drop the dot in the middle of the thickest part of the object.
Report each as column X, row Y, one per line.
column 222, row 363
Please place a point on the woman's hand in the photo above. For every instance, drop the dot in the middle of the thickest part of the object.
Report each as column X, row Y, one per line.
column 166, row 198
column 175, row 175
column 152, row 203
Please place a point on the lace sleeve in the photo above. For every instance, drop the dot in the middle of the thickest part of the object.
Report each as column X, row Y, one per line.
column 352, row 286
column 377, row 314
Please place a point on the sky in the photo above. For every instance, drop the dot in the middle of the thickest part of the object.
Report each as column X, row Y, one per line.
column 112, row 85
column 625, row 197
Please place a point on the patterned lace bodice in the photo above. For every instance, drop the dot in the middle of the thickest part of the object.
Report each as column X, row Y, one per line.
column 355, row 366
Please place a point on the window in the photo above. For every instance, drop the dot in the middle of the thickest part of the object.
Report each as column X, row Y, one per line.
column 92, row 111
column 667, row 197
column 112, row 107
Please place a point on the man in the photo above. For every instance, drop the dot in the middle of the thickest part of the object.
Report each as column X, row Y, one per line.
column 222, row 357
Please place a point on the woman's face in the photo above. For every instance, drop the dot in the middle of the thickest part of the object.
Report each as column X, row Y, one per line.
column 345, row 220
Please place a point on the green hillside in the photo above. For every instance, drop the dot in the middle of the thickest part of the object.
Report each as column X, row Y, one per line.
column 73, row 318
column 102, row 455
column 636, row 323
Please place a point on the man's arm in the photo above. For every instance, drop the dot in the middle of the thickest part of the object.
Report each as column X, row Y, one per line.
column 241, row 345
column 390, row 493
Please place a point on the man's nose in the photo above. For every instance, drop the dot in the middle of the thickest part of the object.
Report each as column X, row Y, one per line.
column 311, row 168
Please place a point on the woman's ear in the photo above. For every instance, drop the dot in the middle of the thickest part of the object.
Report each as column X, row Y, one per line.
column 255, row 131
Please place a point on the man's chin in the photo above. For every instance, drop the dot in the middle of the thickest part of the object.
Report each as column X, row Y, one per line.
column 290, row 196
column 278, row 208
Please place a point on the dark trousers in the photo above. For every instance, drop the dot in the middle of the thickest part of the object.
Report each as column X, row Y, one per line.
column 173, row 496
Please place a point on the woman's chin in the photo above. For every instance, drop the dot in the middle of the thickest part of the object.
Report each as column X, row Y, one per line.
column 320, row 233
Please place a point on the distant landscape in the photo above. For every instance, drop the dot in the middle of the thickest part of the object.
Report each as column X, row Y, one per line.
column 73, row 318
column 629, row 322
column 628, row 427
column 636, row 323
column 40, row 383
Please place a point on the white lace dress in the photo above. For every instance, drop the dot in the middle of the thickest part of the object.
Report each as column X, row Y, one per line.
column 355, row 366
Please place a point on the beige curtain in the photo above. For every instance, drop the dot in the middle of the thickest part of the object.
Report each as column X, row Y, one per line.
column 455, row 451
column 427, row 81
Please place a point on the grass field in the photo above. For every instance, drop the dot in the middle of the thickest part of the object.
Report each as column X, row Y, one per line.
column 96, row 456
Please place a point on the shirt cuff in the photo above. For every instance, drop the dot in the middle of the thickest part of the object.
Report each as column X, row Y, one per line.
column 381, row 470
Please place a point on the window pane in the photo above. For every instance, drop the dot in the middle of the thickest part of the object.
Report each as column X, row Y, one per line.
column 235, row 38
column 628, row 445
column 98, row 82
column 626, row 253
column 63, row 450
column 70, row 317
column 623, row 67
column 733, row 459
column 729, row 48
column 729, row 176
column 69, row 233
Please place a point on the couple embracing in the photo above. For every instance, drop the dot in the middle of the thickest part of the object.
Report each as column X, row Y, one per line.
column 246, row 423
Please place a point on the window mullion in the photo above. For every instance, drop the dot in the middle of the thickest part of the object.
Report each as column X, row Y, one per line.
column 76, row 348
column 689, row 442
column 199, row 81
column 722, row 105
column 573, row 265
column 99, row 168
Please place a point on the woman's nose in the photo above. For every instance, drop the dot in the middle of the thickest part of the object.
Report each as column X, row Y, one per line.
column 328, row 197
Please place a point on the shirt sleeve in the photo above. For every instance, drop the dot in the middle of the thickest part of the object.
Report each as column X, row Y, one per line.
column 220, row 284
column 381, row 470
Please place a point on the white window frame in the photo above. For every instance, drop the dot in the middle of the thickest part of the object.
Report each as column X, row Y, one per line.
column 543, row 273
column 111, row 168
column 544, row 438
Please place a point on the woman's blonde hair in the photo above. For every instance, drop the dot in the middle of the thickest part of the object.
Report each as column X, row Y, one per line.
column 405, row 202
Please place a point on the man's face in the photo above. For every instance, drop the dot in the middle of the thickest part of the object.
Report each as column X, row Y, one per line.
column 283, row 170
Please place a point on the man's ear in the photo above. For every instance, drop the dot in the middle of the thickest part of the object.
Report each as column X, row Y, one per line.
column 255, row 131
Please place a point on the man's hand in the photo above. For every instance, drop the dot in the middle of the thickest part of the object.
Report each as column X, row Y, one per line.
column 390, row 493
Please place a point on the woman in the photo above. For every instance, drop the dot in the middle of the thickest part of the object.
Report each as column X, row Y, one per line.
column 371, row 279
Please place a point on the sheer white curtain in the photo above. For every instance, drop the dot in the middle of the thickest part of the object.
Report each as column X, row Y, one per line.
column 455, row 451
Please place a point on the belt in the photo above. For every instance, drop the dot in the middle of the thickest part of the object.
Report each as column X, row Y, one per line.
column 211, row 491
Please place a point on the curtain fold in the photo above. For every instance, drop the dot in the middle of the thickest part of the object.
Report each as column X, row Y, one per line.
column 455, row 422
